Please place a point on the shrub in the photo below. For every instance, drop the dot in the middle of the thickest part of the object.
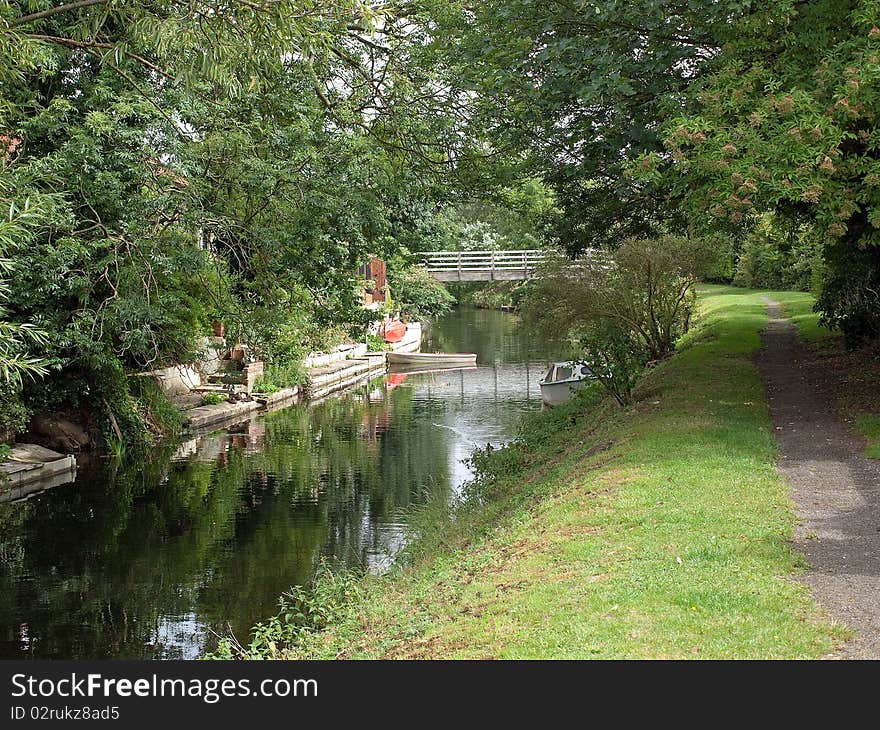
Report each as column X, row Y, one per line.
column 280, row 375
column 212, row 399
column 14, row 415
column 303, row 611
column 156, row 410
column 277, row 325
column 500, row 294
column 376, row 343
column 850, row 296
column 615, row 358
column 418, row 294
column 624, row 309
column 645, row 288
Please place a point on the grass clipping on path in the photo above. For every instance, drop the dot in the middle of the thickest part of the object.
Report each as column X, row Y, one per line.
column 657, row 531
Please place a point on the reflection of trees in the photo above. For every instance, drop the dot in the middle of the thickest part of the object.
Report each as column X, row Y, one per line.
column 94, row 567
column 491, row 334
column 368, row 459
column 108, row 555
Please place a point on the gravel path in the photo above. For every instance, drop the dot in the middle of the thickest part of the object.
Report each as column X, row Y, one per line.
column 835, row 488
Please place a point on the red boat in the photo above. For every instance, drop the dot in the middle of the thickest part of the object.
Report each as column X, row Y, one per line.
column 394, row 331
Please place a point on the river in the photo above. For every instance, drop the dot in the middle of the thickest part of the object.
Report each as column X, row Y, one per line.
column 153, row 559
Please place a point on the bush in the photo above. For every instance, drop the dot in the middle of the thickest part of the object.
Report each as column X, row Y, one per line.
column 418, row 294
column 501, row 294
column 276, row 325
column 280, row 375
column 850, row 296
column 624, row 309
column 155, row 409
column 645, row 288
column 212, row 399
column 14, row 415
column 376, row 343
column 303, row 611
column 615, row 358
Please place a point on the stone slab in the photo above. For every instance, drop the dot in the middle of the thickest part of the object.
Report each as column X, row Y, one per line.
column 282, row 395
column 33, row 464
column 218, row 413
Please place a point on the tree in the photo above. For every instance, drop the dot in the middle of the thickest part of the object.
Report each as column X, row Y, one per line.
column 646, row 288
column 787, row 122
column 15, row 363
column 205, row 160
column 575, row 91
column 421, row 295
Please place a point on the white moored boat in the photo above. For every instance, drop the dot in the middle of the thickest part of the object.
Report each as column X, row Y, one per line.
column 561, row 380
column 440, row 359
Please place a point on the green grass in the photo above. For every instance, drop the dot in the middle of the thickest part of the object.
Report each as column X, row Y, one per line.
column 798, row 307
column 659, row 530
column 116, row 447
column 868, row 424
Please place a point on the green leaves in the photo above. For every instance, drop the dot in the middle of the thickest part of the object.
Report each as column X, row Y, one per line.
column 16, row 337
column 786, row 122
column 580, row 89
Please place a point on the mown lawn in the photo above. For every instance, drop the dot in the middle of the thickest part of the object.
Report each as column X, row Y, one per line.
column 661, row 530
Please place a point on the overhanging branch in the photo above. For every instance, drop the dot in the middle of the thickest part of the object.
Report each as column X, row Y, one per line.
column 55, row 11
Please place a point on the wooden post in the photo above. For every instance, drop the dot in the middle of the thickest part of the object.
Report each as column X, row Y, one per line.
column 377, row 274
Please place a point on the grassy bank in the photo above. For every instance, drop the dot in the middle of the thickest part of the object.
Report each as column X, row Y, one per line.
column 659, row 530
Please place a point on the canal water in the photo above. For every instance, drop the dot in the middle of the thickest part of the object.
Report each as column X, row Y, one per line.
column 154, row 559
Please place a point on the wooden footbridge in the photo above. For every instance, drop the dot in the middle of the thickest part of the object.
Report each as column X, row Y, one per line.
column 484, row 265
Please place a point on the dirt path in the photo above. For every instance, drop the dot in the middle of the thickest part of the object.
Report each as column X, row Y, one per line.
column 835, row 488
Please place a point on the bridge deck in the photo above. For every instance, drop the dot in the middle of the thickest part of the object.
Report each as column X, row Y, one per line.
column 482, row 275
column 505, row 265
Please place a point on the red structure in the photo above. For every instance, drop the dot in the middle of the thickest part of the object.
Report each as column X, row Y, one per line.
column 374, row 272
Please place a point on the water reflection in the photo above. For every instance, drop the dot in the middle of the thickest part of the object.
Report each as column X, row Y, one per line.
column 153, row 559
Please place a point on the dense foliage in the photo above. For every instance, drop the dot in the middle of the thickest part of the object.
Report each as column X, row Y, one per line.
column 654, row 117
column 623, row 312
column 787, row 122
column 420, row 296
column 778, row 253
column 166, row 165
column 576, row 89
column 169, row 164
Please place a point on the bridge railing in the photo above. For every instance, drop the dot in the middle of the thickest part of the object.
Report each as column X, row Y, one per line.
column 503, row 260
